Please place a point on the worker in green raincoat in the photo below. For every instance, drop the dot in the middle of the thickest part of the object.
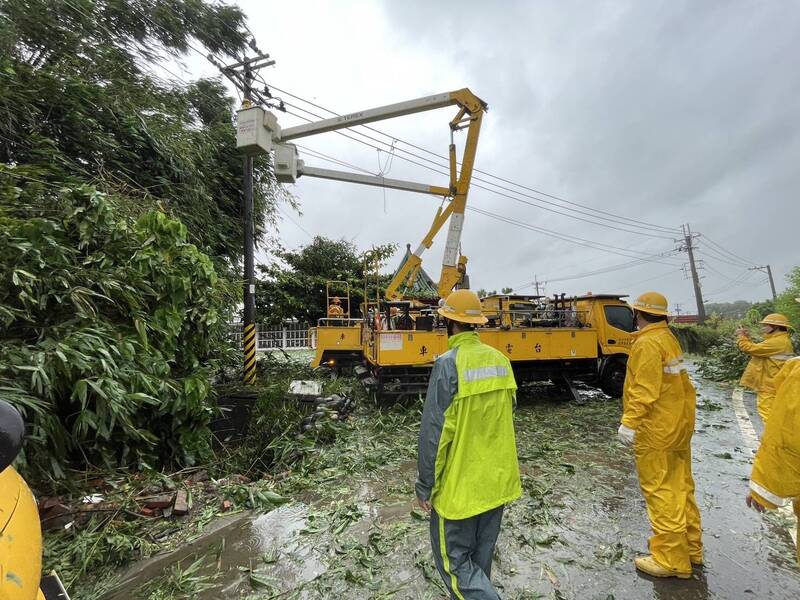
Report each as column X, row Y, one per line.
column 467, row 463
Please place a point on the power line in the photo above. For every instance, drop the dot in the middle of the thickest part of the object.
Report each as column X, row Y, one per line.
column 627, row 252
column 656, row 277
column 722, row 249
column 720, row 273
column 743, row 278
column 331, row 159
column 721, row 260
column 724, row 258
column 563, row 236
column 537, row 202
column 614, row 217
column 610, row 269
column 295, row 223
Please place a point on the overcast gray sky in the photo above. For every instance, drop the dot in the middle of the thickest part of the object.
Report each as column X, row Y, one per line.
column 664, row 112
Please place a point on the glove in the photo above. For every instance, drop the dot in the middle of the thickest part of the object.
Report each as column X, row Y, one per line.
column 625, row 435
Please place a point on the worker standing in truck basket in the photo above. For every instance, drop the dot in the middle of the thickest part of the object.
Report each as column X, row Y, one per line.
column 467, row 462
column 775, row 480
column 658, row 420
column 768, row 356
column 335, row 310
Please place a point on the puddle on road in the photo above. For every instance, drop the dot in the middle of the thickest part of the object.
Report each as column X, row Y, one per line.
column 572, row 535
column 261, row 551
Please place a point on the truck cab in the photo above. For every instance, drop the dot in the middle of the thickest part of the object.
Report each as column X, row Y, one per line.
column 612, row 318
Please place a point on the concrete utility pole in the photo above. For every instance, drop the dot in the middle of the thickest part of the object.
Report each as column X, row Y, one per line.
column 768, row 270
column 536, row 283
column 242, row 75
column 688, row 240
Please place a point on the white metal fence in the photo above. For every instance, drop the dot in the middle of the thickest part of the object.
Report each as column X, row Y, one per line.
column 292, row 336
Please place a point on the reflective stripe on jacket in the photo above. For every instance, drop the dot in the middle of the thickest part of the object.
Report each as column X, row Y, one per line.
column 776, row 470
column 767, row 359
column 467, row 462
column 658, row 397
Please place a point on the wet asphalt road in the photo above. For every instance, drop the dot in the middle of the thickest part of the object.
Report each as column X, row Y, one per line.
column 574, row 533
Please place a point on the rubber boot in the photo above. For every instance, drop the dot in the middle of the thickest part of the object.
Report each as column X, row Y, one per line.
column 648, row 565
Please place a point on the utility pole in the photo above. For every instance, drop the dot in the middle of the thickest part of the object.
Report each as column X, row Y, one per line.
column 688, row 240
column 772, row 284
column 242, row 74
column 250, row 332
column 768, row 270
column 536, row 283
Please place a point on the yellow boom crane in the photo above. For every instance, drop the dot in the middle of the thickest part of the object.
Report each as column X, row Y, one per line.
column 258, row 131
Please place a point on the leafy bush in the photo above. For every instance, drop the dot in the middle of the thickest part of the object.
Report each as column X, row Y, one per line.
column 786, row 303
column 295, row 286
column 697, row 339
column 723, row 362
column 107, row 324
column 80, row 101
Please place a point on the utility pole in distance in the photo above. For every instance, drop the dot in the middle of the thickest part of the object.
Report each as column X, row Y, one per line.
column 688, row 240
column 768, row 270
column 242, row 74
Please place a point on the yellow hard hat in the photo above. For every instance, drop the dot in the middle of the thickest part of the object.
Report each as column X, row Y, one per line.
column 652, row 303
column 463, row 306
column 776, row 319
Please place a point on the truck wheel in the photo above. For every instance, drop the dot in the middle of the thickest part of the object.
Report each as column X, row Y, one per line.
column 612, row 381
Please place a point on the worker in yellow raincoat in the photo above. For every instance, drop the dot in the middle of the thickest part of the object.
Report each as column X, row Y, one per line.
column 20, row 530
column 658, row 420
column 775, row 480
column 767, row 359
column 335, row 310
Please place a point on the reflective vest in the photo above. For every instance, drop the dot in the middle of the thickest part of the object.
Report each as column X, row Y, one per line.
column 476, row 461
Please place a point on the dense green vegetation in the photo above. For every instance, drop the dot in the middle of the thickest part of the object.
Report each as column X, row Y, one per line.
column 722, row 360
column 293, row 286
column 110, row 327
column 120, row 227
column 81, row 101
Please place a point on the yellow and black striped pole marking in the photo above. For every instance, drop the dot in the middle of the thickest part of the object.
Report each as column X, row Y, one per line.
column 249, row 343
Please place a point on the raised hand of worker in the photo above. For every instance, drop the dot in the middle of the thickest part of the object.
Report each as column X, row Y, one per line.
column 754, row 504
column 741, row 332
column 626, row 435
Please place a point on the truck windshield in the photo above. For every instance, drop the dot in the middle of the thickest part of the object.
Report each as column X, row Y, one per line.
column 620, row 317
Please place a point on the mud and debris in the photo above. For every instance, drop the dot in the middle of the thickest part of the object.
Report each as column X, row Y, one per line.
column 351, row 529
